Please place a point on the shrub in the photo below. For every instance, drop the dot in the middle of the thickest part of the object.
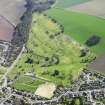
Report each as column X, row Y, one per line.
column 94, row 40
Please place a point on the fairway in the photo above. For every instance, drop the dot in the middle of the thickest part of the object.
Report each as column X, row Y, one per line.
column 81, row 26
column 52, row 57
column 68, row 3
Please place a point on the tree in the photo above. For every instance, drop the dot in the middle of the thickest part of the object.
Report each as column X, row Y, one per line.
column 55, row 73
column 93, row 40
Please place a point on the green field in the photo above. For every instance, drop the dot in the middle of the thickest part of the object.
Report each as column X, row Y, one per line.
column 81, row 26
column 27, row 84
column 68, row 3
column 44, row 48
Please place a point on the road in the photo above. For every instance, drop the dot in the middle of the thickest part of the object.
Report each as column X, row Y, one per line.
column 71, row 95
column 68, row 94
column 5, row 99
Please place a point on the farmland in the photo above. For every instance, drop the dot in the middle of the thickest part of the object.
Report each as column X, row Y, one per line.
column 51, row 58
column 68, row 3
column 12, row 10
column 93, row 7
column 81, row 26
column 6, row 29
column 98, row 65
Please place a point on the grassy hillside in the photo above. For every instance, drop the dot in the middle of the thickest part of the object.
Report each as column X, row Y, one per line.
column 81, row 26
column 52, row 57
column 68, row 3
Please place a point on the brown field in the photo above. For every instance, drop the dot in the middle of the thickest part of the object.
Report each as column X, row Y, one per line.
column 94, row 7
column 98, row 64
column 12, row 10
column 6, row 29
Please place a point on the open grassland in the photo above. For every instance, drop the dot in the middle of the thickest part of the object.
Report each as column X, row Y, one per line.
column 93, row 7
column 27, row 84
column 52, row 58
column 2, row 72
column 12, row 10
column 81, row 26
column 68, row 3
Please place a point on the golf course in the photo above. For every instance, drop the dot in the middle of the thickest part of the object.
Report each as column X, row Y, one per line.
column 51, row 57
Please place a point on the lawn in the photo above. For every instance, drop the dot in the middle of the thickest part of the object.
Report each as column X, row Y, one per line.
column 56, row 59
column 27, row 83
column 2, row 71
column 68, row 3
column 80, row 26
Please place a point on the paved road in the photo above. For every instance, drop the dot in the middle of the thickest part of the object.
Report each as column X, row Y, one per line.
column 4, row 100
column 71, row 95
column 68, row 93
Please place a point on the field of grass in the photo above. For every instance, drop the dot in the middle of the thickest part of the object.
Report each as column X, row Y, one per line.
column 2, row 72
column 81, row 26
column 27, row 84
column 68, row 3
column 43, row 51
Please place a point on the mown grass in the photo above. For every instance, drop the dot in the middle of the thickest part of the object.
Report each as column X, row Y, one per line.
column 2, row 71
column 40, row 45
column 80, row 26
column 68, row 3
column 27, row 84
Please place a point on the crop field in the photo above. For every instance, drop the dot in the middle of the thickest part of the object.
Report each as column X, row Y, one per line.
column 68, row 3
column 93, row 7
column 99, row 64
column 52, row 58
column 81, row 26
column 12, row 10
column 6, row 29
